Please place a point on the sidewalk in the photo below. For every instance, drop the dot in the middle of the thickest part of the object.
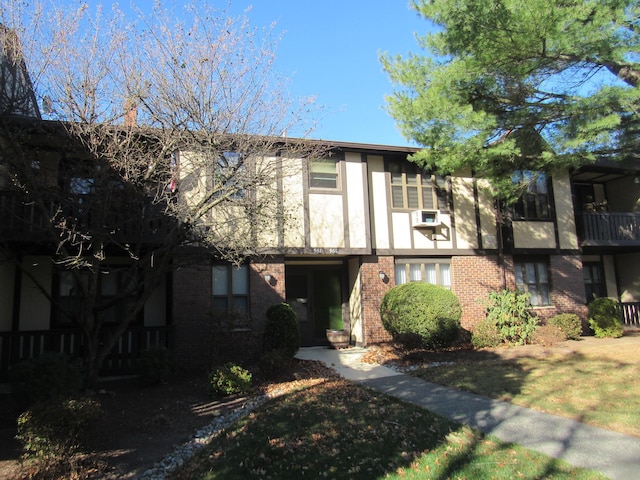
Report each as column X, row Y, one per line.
column 615, row 455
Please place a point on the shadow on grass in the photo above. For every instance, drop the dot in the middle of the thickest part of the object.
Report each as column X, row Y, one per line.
column 336, row 429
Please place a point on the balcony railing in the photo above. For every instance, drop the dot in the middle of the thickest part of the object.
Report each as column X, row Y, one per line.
column 630, row 313
column 610, row 229
column 18, row 346
column 133, row 221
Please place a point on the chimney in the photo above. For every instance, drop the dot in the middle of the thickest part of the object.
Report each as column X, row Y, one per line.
column 130, row 113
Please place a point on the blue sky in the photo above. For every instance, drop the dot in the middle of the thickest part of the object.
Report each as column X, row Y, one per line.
column 330, row 50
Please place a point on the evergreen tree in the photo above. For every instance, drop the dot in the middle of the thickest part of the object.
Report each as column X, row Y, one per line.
column 521, row 85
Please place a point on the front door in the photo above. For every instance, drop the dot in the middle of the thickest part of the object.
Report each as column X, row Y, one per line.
column 315, row 294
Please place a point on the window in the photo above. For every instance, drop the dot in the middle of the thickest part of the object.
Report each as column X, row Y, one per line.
column 118, row 294
column 533, row 204
column 414, row 188
column 436, row 272
column 231, row 175
column 323, row 173
column 594, row 285
column 533, row 277
column 230, row 288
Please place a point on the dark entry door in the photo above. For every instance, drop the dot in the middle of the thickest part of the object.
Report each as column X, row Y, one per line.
column 315, row 294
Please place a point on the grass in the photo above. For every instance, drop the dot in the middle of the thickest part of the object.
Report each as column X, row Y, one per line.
column 597, row 389
column 336, row 429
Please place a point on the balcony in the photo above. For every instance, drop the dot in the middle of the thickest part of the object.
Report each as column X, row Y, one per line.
column 609, row 229
column 22, row 220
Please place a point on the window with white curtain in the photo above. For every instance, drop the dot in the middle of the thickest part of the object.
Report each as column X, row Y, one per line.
column 437, row 272
column 230, row 288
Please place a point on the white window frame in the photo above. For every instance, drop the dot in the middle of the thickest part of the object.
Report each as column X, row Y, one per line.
column 434, row 271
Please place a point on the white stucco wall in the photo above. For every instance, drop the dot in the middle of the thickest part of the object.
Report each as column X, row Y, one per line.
column 7, row 273
column 378, row 200
column 356, row 201
column 564, row 212
column 35, row 309
column 326, row 221
column 534, row 234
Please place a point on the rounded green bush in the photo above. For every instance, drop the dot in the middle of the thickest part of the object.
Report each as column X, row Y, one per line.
column 422, row 314
column 604, row 318
column 282, row 330
column 229, row 379
column 569, row 323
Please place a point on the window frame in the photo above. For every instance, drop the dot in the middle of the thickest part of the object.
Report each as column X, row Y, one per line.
column 229, row 167
column 539, row 290
column 599, row 288
column 230, row 295
column 424, row 263
column 433, row 192
column 532, row 204
column 338, row 180
column 61, row 320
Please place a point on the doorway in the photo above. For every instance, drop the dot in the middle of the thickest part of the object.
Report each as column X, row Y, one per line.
column 315, row 294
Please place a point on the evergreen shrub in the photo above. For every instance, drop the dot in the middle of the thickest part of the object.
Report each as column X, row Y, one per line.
column 282, row 330
column 421, row 314
column 509, row 311
column 569, row 323
column 604, row 318
column 155, row 365
column 229, row 379
column 49, row 376
column 55, row 429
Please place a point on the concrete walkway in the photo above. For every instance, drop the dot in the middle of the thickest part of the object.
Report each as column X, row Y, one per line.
column 615, row 455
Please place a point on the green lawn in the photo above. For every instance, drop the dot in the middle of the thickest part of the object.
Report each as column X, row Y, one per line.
column 598, row 389
column 336, row 429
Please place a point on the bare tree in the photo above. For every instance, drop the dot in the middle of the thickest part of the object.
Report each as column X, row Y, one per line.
column 159, row 132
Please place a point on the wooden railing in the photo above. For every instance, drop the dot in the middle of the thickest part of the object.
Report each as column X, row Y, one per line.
column 134, row 220
column 18, row 346
column 630, row 312
column 610, row 228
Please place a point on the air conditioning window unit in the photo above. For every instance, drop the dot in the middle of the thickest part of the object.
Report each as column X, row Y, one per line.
column 425, row 218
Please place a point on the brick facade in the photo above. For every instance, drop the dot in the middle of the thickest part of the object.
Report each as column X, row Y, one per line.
column 373, row 290
column 473, row 277
column 567, row 287
column 201, row 339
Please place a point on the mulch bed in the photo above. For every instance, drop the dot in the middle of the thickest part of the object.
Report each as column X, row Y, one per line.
column 140, row 424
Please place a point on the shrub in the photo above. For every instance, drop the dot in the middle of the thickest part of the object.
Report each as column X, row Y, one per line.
column 422, row 314
column 274, row 362
column 508, row 310
column 569, row 323
column 49, row 376
column 229, row 379
column 282, row 331
column 55, row 429
column 604, row 318
column 485, row 334
column 155, row 365
column 548, row 335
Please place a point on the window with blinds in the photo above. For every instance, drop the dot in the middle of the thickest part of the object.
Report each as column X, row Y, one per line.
column 323, row 173
column 416, row 189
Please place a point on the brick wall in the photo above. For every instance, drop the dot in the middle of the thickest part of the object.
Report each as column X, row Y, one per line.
column 192, row 305
column 567, row 287
column 473, row 277
column 201, row 341
column 373, row 289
